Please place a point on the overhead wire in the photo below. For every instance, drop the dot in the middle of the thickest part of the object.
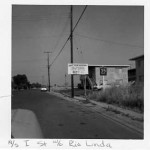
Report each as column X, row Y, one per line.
column 108, row 41
column 36, row 17
column 69, row 36
column 61, row 35
column 27, row 60
column 37, row 37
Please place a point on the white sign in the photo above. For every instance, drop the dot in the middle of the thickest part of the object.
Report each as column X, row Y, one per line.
column 77, row 68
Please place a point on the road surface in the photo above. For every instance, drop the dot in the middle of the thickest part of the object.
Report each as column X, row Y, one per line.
column 63, row 119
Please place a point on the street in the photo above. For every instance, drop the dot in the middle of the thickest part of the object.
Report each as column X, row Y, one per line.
column 59, row 118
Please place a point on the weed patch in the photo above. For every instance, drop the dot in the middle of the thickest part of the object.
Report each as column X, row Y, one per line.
column 125, row 96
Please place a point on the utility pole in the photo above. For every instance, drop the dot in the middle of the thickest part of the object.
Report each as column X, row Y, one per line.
column 48, row 67
column 71, row 44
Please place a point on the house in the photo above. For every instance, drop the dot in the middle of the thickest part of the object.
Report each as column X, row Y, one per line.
column 139, row 63
column 105, row 75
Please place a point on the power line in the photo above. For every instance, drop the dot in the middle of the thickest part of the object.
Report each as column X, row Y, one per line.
column 60, row 51
column 39, row 15
column 60, row 36
column 108, row 41
column 27, row 60
column 37, row 37
column 36, row 18
column 69, row 35
column 79, row 19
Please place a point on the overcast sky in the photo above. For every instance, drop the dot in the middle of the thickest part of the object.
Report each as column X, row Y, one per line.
column 105, row 35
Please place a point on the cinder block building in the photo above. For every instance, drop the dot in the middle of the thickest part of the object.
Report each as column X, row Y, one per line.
column 104, row 75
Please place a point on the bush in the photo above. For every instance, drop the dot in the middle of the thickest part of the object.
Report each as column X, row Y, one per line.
column 125, row 96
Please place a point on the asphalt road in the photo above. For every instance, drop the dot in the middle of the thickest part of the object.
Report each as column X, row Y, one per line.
column 63, row 119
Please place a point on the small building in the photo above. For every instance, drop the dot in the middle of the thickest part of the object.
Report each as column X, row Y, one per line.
column 139, row 63
column 103, row 75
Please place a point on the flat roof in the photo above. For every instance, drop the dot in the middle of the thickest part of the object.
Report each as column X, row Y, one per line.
column 109, row 66
column 135, row 58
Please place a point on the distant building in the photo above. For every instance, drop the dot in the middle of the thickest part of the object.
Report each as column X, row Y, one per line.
column 103, row 75
column 139, row 63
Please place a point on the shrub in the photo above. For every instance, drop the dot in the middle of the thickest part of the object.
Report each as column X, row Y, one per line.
column 125, row 96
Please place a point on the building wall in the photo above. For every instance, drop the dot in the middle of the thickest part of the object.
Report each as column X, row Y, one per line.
column 140, row 70
column 115, row 75
column 98, row 77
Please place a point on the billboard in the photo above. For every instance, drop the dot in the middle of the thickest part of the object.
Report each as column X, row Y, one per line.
column 75, row 68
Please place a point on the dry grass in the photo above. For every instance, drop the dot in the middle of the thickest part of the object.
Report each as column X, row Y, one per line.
column 125, row 96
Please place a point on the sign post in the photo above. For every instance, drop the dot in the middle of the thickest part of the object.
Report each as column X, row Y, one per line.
column 78, row 69
column 85, row 87
column 103, row 73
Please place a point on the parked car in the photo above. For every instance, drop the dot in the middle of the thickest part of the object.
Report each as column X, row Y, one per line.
column 43, row 89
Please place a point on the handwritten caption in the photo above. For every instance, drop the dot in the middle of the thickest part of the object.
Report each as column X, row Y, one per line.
column 58, row 143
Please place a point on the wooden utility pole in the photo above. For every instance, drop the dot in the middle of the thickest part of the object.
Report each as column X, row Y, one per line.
column 71, row 44
column 48, row 67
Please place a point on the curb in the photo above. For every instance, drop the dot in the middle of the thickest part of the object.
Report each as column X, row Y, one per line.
column 103, row 113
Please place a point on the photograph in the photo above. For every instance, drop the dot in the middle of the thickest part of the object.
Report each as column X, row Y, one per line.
column 77, row 72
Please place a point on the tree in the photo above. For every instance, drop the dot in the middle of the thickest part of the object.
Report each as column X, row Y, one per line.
column 36, row 85
column 21, row 81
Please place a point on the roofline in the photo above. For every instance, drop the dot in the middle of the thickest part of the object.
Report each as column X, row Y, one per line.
column 141, row 56
column 109, row 65
column 132, row 69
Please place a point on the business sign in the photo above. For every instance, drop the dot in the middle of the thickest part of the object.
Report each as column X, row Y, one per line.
column 75, row 68
column 103, row 71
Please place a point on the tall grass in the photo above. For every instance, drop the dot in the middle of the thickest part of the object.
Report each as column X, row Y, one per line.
column 124, row 96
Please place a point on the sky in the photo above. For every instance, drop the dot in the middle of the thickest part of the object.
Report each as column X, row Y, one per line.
column 105, row 35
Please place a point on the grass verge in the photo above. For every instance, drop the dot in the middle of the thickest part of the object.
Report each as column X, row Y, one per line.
column 126, row 96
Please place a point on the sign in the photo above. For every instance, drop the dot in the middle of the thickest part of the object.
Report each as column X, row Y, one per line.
column 78, row 68
column 103, row 71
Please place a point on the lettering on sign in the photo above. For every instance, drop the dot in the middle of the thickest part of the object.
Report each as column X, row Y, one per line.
column 78, row 69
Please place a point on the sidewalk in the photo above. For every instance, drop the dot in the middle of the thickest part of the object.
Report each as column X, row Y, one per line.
column 125, row 117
